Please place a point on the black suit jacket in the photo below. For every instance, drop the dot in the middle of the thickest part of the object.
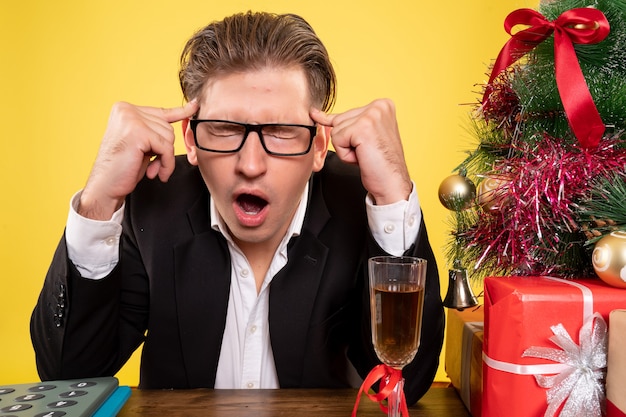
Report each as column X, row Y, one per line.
column 170, row 291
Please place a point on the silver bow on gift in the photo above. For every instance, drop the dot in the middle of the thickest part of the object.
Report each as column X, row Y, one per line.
column 579, row 388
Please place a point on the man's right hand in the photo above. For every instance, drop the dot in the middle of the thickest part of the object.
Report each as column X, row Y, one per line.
column 138, row 141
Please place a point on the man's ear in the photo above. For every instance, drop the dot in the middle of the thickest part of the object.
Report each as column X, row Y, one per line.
column 320, row 147
column 190, row 143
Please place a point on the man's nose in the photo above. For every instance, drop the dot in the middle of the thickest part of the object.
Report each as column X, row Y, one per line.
column 252, row 158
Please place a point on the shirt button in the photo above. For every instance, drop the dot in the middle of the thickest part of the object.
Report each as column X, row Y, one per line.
column 411, row 221
column 252, row 329
column 244, row 273
column 250, row 385
column 110, row 241
column 389, row 228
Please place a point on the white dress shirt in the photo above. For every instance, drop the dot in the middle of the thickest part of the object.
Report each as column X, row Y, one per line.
column 246, row 358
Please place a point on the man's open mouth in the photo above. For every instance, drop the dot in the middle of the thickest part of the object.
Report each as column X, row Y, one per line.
column 251, row 204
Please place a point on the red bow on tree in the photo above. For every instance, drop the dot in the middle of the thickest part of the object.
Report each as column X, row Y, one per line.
column 583, row 26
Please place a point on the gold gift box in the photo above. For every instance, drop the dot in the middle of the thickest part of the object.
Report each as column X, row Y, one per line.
column 463, row 358
column 616, row 367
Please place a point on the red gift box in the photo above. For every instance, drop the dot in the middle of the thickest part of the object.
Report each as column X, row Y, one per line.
column 523, row 313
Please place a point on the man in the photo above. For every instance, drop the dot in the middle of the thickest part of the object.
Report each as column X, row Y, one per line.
column 243, row 264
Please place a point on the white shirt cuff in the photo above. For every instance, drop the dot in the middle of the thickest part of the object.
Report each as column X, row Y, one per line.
column 395, row 226
column 93, row 245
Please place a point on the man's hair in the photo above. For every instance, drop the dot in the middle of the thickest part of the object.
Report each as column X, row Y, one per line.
column 252, row 41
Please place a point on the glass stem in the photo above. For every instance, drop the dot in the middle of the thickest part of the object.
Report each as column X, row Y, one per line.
column 394, row 400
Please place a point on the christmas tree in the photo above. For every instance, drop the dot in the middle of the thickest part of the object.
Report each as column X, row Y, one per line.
column 549, row 167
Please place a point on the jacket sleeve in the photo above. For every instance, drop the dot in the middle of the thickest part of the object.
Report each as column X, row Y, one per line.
column 86, row 328
column 419, row 374
column 48, row 318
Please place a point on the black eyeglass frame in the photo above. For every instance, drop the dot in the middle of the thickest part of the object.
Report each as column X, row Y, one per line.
column 258, row 129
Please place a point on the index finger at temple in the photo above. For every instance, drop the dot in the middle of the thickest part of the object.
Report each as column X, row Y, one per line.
column 322, row 118
column 174, row 114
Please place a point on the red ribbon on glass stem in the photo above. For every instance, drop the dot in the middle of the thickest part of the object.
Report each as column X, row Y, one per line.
column 388, row 377
column 582, row 26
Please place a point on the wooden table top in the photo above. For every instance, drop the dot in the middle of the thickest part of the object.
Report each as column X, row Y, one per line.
column 440, row 402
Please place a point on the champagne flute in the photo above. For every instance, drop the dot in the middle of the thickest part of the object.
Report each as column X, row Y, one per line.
column 397, row 300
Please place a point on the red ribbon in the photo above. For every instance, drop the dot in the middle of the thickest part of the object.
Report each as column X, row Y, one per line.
column 583, row 26
column 388, row 377
column 613, row 411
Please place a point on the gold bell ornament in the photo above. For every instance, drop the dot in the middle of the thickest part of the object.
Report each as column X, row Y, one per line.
column 459, row 295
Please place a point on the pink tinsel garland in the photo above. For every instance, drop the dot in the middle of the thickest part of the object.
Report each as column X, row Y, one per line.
column 544, row 182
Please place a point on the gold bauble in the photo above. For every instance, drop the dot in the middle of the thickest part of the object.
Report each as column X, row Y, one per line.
column 492, row 193
column 457, row 192
column 609, row 259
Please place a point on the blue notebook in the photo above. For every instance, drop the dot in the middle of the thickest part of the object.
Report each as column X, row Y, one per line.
column 114, row 403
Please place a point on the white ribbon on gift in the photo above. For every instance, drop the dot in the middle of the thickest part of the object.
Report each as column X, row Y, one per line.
column 579, row 388
column 563, row 368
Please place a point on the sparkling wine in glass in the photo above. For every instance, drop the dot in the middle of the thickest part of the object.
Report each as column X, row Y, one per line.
column 397, row 300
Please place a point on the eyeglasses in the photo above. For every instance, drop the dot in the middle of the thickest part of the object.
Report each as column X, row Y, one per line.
column 224, row 136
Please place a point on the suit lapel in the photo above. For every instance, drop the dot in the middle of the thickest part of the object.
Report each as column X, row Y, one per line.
column 202, row 274
column 293, row 292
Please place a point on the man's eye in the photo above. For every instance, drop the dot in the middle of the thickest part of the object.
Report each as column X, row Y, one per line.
column 225, row 130
column 281, row 132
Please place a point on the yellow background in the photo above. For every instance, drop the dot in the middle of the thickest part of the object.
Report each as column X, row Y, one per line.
column 64, row 63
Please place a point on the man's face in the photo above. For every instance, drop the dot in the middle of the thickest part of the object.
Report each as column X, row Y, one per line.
column 256, row 193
